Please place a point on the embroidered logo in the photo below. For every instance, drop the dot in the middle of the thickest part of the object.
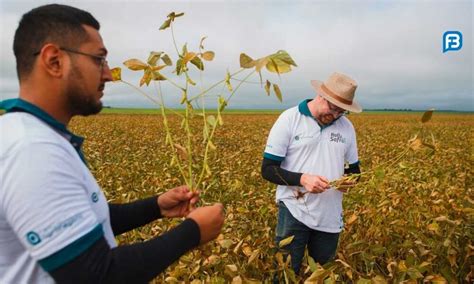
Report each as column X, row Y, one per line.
column 300, row 137
column 337, row 137
column 94, row 197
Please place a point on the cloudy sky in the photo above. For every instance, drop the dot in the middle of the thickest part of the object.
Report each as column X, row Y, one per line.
column 393, row 49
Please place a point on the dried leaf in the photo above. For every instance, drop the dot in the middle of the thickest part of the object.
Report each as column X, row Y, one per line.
column 135, row 64
column 277, row 91
column 427, row 115
column 208, row 55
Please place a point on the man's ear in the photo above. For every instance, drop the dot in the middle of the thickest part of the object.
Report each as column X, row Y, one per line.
column 51, row 60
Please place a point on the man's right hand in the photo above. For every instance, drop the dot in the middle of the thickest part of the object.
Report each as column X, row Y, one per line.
column 210, row 220
column 314, row 183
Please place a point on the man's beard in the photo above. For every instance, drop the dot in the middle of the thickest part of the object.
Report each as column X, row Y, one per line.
column 79, row 102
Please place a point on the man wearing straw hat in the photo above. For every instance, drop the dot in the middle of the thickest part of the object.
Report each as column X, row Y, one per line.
column 309, row 146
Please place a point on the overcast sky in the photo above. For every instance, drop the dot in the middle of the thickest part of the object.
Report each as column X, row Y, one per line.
column 393, row 49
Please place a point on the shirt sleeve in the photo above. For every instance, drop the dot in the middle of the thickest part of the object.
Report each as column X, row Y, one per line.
column 128, row 216
column 351, row 154
column 46, row 202
column 278, row 139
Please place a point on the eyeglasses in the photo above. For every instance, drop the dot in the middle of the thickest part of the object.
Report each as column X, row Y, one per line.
column 337, row 111
column 101, row 61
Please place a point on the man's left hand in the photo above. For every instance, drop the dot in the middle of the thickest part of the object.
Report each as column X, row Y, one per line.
column 177, row 202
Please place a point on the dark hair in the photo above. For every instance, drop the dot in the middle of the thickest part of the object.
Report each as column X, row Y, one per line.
column 54, row 23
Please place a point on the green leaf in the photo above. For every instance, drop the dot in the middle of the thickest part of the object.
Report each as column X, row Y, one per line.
column 286, row 241
column 427, row 115
column 222, row 103
column 246, row 61
column 135, row 64
column 277, row 91
column 196, row 61
column 184, row 49
column 179, row 67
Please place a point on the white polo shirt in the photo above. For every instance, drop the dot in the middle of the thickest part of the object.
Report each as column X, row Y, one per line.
column 51, row 207
column 302, row 145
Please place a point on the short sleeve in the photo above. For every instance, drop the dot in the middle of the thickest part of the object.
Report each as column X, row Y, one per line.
column 279, row 138
column 45, row 200
column 351, row 154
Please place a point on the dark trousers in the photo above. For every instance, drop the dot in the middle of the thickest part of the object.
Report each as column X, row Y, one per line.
column 321, row 245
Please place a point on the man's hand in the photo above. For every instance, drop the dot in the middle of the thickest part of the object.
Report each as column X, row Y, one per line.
column 177, row 202
column 210, row 220
column 314, row 183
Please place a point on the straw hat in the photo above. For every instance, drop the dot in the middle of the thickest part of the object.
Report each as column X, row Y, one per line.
column 339, row 89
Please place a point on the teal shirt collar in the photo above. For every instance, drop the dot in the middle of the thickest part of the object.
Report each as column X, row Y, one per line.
column 19, row 105
column 304, row 110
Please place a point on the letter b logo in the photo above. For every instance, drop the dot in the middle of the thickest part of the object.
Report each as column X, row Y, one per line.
column 452, row 40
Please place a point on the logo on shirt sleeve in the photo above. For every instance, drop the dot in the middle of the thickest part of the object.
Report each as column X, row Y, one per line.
column 33, row 238
column 94, row 197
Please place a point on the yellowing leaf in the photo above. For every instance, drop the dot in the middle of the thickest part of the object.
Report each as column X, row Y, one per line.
column 208, row 55
column 267, row 87
column 146, row 77
column 188, row 57
column 158, row 77
column 246, row 61
column 167, row 60
column 153, row 57
column 352, row 219
column 434, row 227
column 225, row 243
column 227, row 81
column 135, row 64
column 196, row 61
column 277, row 91
column 211, row 120
column 286, row 241
column 116, row 74
column 277, row 66
column 260, row 63
column 253, row 256
column 166, row 24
